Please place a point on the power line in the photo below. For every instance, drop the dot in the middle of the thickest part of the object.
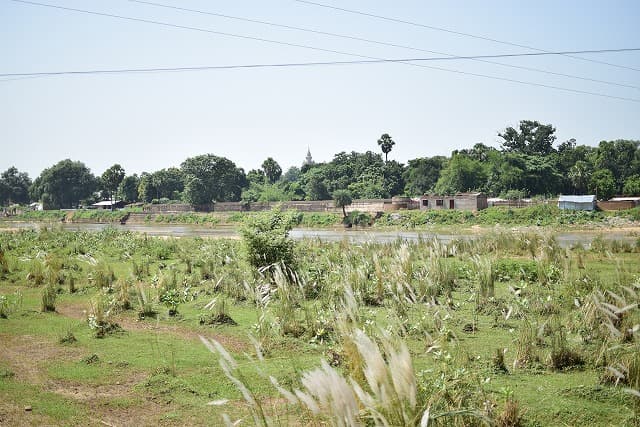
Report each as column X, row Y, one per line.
column 185, row 27
column 19, row 76
column 377, row 42
column 297, row 64
column 166, row 24
column 446, row 30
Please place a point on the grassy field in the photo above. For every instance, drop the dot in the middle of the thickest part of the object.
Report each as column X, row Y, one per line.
column 509, row 329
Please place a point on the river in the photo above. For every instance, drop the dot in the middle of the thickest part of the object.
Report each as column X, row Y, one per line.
column 565, row 238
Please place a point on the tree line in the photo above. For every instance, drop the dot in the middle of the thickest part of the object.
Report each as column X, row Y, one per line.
column 528, row 163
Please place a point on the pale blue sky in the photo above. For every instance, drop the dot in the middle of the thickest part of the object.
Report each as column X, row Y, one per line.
column 149, row 121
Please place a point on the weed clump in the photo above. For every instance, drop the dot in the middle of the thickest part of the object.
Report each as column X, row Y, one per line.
column 99, row 318
column 511, row 415
column 145, row 306
column 91, row 359
column 498, row 362
column 67, row 338
column 218, row 317
column 48, row 301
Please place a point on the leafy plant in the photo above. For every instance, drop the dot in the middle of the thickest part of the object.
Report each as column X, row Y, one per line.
column 49, row 295
column 266, row 239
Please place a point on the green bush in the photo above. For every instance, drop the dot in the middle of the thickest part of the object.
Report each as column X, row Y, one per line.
column 266, row 238
column 357, row 218
column 513, row 269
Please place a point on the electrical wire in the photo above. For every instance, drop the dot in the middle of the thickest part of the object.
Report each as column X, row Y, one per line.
column 377, row 42
column 166, row 24
column 295, row 64
column 446, row 30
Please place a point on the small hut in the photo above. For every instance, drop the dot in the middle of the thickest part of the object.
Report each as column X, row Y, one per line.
column 462, row 201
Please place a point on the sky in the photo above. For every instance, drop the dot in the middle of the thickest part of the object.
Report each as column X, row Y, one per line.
column 149, row 121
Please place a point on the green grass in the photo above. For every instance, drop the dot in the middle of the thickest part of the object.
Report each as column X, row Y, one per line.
column 52, row 407
column 452, row 336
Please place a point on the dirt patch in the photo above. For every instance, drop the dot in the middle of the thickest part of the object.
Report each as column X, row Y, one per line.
column 125, row 320
column 15, row 415
column 26, row 354
column 26, row 357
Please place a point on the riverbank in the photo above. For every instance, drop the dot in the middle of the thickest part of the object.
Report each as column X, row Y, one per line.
column 544, row 216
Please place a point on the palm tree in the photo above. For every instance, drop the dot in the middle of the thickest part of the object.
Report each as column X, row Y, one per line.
column 386, row 143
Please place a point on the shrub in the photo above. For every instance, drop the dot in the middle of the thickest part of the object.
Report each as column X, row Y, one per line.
column 266, row 239
column 507, row 269
column 171, row 298
column 357, row 218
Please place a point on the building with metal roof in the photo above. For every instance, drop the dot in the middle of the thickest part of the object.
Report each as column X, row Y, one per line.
column 577, row 203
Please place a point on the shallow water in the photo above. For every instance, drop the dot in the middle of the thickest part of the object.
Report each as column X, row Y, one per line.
column 565, row 239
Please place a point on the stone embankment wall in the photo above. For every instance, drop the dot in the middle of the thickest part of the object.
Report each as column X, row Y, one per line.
column 363, row 205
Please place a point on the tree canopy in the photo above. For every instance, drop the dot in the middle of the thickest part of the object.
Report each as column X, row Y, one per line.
column 526, row 164
column 64, row 185
column 532, row 138
column 272, row 170
column 165, row 183
column 342, row 199
column 209, row 178
column 386, row 143
column 111, row 179
column 14, row 186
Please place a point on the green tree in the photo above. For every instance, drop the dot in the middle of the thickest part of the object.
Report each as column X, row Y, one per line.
column 211, row 178
column 532, row 138
column 506, row 172
column 165, row 183
column 461, row 174
column 567, row 156
column 266, row 192
column 348, row 169
column 422, row 174
column 256, row 176
column 386, row 143
column 632, row 186
column 5, row 193
column 128, row 188
column 315, row 186
column 479, row 152
column 342, row 199
column 393, row 178
column 111, row 179
column 541, row 176
column 603, row 184
column 292, row 174
column 580, row 174
column 63, row 185
column 621, row 157
column 369, row 185
column 272, row 170
column 14, row 186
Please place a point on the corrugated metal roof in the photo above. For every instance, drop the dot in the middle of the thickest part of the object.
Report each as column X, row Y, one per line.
column 106, row 203
column 577, row 199
column 624, row 199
